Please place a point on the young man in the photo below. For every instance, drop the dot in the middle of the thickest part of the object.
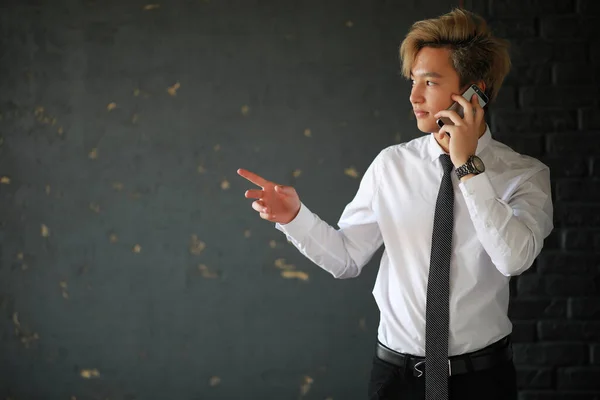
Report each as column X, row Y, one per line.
column 459, row 214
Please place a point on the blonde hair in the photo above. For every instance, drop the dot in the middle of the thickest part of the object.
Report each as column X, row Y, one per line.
column 474, row 52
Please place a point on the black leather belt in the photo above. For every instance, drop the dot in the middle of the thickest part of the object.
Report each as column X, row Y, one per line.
column 488, row 357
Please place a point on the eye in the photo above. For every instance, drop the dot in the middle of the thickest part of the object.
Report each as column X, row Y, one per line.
column 429, row 83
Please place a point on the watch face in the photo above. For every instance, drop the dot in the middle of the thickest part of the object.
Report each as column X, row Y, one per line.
column 478, row 164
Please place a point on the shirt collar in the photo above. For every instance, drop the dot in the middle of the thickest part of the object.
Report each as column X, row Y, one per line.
column 435, row 151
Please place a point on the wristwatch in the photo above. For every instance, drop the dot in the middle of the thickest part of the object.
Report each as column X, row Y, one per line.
column 474, row 165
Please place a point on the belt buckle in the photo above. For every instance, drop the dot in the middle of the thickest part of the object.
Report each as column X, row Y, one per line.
column 417, row 365
column 416, row 368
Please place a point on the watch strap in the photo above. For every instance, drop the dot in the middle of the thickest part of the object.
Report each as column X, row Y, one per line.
column 466, row 169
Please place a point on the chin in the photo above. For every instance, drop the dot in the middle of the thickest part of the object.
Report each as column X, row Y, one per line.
column 428, row 126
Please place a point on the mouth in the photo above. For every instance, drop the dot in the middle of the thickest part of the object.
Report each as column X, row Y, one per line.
column 421, row 114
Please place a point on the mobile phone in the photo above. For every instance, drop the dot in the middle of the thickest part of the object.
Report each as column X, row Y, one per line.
column 468, row 94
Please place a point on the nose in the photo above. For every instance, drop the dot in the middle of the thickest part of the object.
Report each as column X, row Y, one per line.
column 416, row 95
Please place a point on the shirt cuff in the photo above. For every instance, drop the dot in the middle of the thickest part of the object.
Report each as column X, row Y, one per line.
column 479, row 186
column 300, row 225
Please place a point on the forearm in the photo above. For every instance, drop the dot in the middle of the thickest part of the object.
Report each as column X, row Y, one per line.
column 512, row 235
column 339, row 252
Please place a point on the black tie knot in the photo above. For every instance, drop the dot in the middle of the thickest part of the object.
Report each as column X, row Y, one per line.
column 446, row 163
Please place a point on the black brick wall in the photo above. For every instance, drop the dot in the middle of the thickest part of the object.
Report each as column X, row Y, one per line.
column 552, row 112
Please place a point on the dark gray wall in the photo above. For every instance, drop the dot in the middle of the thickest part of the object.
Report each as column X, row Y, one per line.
column 152, row 323
column 202, row 311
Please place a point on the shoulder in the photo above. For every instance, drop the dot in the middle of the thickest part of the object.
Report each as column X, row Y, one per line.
column 509, row 159
column 396, row 152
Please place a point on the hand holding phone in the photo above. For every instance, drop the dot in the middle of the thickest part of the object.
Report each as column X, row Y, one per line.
column 468, row 95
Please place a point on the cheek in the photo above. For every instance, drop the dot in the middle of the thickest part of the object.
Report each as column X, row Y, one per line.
column 440, row 105
column 440, row 100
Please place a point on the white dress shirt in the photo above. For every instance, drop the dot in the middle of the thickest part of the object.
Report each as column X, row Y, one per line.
column 501, row 218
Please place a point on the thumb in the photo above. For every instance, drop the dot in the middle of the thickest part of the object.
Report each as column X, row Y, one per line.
column 282, row 190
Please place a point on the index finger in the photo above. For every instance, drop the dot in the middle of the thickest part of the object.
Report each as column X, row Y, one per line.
column 476, row 106
column 252, row 177
column 466, row 105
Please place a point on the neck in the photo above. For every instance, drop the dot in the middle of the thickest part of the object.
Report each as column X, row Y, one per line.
column 445, row 142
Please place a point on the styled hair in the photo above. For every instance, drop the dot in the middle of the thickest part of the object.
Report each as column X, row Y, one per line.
column 474, row 52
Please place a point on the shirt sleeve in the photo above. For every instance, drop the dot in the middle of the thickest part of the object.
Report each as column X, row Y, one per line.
column 345, row 251
column 512, row 233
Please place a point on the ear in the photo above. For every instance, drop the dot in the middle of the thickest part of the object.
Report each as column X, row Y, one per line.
column 481, row 85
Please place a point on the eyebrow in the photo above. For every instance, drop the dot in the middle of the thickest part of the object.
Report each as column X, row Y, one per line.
column 427, row 75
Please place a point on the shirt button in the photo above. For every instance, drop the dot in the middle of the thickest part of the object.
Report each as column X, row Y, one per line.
column 487, row 224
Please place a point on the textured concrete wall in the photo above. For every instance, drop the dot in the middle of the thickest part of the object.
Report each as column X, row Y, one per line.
column 132, row 267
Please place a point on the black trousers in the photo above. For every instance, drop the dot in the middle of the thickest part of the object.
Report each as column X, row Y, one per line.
column 389, row 382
